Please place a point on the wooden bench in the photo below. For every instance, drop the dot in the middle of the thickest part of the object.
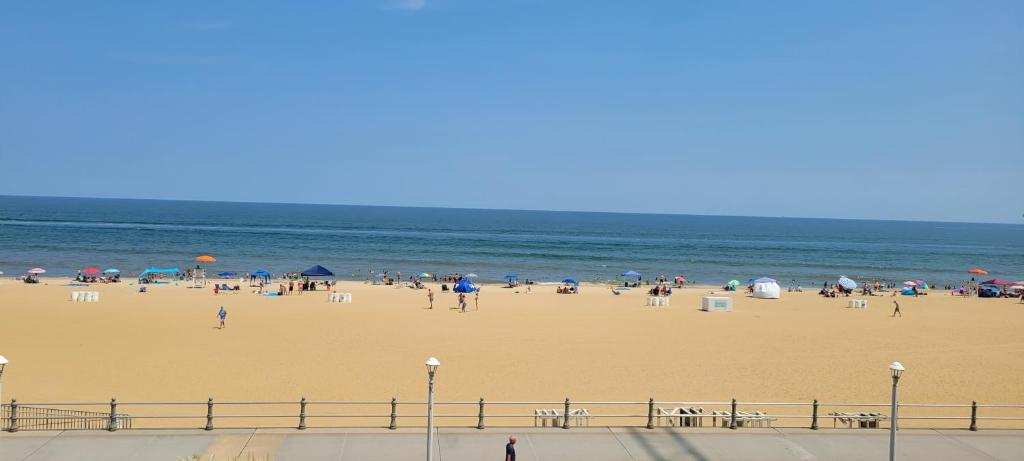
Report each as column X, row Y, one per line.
column 862, row 420
column 577, row 417
column 683, row 416
column 743, row 418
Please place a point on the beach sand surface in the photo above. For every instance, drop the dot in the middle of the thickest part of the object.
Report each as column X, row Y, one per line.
column 164, row 345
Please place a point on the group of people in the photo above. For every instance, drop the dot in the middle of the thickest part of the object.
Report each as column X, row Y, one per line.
column 568, row 290
column 82, row 278
column 661, row 290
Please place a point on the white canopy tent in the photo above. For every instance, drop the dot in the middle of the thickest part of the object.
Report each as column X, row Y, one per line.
column 766, row 288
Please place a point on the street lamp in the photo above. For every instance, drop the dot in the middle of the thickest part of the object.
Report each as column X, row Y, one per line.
column 897, row 369
column 432, row 365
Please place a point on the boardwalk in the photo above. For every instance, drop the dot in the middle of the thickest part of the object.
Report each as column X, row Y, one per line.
column 592, row 444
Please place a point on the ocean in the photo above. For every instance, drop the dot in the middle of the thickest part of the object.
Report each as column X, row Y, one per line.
column 64, row 235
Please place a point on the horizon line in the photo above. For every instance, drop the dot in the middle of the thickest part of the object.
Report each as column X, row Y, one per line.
column 259, row 202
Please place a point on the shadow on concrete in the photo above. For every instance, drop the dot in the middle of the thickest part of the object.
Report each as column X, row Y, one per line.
column 642, row 438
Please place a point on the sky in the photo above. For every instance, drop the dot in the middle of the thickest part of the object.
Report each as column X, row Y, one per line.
column 856, row 109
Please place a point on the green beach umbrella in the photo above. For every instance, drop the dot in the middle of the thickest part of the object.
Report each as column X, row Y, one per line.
column 733, row 283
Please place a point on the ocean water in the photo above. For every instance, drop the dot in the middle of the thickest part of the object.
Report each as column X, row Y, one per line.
column 67, row 234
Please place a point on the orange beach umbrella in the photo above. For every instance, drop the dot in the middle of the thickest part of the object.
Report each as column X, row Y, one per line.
column 977, row 271
column 206, row 259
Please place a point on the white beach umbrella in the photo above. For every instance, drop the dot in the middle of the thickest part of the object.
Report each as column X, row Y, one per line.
column 471, row 275
column 37, row 270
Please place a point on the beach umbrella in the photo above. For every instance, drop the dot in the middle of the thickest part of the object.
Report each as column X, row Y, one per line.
column 977, row 271
column 570, row 281
column 112, row 271
column 470, row 275
column 206, row 259
column 37, row 270
column 90, row 271
column 379, row 275
column 633, row 274
column 847, row 282
column 424, row 275
column 680, row 278
column 733, row 283
column 464, row 286
column 764, row 280
column 997, row 282
column 511, row 277
column 910, row 283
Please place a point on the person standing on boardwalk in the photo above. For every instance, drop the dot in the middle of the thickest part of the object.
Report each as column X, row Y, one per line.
column 896, row 311
column 222, row 315
column 510, row 449
column 430, row 297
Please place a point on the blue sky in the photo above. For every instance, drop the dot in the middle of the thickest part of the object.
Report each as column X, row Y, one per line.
column 892, row 110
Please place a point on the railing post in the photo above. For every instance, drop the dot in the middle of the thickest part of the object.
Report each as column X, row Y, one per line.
column 480, row 417
column 565, row 417
column 209, row 414
column 112, row 423
column 394, row 414
column 974, row 416
column 732, row 415
column 14, row 416
column 302, row 414
column 814, row 415
column 650, row 413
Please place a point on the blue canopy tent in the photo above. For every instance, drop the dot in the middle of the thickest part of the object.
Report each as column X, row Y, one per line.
column 511, row 277
column 158, row 270
column 259, row 274
column 464, row 286
column 317, row 271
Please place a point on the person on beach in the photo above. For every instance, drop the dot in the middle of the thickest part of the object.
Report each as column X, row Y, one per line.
column 222, row 315
column 462, row 302
column 476, row 300
column 430, row 297
column 896, row 311
column 510, row 448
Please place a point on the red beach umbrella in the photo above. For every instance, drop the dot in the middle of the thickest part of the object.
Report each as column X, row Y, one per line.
column 977, row 271
column 90, row 271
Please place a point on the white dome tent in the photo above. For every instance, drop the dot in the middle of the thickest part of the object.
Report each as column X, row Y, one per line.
column 766, row 288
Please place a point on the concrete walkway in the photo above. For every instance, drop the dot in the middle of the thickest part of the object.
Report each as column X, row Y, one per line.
column 590, row 444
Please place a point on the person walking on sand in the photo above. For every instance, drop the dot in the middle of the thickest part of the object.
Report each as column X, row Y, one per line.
column 222, row 315
column 462, row 302
column 430, row 297
column 476, row 300
column 896, row 311
column 510, row 448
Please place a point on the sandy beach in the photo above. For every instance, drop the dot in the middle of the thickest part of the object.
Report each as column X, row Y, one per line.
column 163, row 345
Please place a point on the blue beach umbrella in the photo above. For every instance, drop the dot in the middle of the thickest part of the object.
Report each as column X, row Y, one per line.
column 112, row 271
column 633, row 274
column 511, row 277
column 464, row 286
column 570, row 281
column 226, row 274
column 847, row 283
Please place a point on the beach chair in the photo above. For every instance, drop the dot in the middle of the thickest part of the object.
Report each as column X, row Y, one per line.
column 544, row 415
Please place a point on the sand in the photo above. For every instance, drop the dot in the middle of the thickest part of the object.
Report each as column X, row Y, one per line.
column 164, row 345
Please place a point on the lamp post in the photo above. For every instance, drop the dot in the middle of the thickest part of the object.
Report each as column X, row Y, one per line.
column 432, row 365
column 897, row 369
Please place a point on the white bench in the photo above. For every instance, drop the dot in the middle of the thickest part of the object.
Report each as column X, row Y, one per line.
column 857, row 304
column 862, row 420
column 744, row 418
column 339, row 297
column 85, row 296
column 684, row 416
column 577, row 417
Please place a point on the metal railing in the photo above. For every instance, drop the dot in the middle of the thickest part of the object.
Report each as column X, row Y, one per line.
column 392, row 414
